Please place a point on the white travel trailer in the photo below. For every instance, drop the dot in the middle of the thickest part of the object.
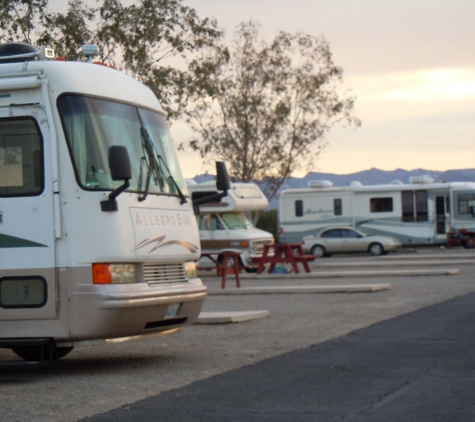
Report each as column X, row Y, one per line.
column 419, row 213
column 223, row 224
column 97, row 236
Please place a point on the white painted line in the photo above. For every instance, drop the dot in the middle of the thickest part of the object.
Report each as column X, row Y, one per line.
column 230, row 317
column 351, row 288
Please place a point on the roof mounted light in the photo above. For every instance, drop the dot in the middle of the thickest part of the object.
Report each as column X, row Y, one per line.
column 46, row 53
column 90, row 51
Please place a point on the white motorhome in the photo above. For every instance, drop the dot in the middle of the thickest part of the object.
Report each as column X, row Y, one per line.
column 98, row 238
column 223, row 224
column 419, row 213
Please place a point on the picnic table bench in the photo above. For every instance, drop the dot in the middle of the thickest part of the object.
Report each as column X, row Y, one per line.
column 283, row 253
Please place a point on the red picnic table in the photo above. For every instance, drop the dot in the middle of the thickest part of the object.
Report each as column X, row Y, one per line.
column 284, row 253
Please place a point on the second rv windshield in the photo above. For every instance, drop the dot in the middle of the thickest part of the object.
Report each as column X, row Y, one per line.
column 93, row 125
column 236, row 221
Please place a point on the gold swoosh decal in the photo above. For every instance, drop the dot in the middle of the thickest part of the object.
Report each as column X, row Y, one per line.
column 158, row 244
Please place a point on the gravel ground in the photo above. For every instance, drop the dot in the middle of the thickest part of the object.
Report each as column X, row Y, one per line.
column 94, row 380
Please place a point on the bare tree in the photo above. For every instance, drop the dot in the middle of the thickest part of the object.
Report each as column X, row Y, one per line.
column 265, row 108
column 138, row 38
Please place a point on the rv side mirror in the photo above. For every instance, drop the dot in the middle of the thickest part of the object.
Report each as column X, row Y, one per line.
column 222, row 177
column 119, row 164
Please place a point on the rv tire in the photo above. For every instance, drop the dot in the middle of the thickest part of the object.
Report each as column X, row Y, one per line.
column 469, row 244
column 319, row 251
column 376, row 249
column 33, row 353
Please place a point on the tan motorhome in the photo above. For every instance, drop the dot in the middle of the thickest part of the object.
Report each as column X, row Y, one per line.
column 223, row 224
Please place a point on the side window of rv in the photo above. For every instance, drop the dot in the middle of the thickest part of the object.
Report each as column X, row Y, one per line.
column 337, row 209
column 466, row 203
column 216, row 223
column 299, row 208
column 420, row 212
column 21, row 157
column 381, row 204
column 204, row 222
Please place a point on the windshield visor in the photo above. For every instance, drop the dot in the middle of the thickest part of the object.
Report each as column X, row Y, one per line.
column 92, row 125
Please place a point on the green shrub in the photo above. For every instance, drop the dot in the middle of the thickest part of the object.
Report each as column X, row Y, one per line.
column 268, row 222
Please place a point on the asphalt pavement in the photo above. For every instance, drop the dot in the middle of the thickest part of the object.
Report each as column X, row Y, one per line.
column 415, row 367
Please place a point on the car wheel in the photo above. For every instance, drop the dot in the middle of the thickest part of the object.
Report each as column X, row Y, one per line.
column 376, row 249
column 319, row 251
column 33, row 353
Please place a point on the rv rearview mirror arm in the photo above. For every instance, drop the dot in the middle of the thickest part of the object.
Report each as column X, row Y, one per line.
column 119, row 164
column 223, row 183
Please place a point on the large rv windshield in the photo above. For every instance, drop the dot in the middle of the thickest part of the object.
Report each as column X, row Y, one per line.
column 93, row 125
column 236, row 221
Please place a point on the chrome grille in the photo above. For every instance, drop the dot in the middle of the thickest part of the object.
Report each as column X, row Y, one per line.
column 164, row 273
column 258, row 245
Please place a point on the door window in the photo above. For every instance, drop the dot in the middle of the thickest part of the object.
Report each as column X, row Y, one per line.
column 21, row 157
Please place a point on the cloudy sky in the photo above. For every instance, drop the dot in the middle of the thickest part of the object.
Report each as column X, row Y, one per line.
column 410, row 63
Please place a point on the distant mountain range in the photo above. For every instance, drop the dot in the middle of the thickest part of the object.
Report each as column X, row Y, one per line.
column 373, row 176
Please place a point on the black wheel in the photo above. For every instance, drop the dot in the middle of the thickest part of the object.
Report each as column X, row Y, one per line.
column 376, row 249
column 33, row 353
column 319, row 251
column 469, row 244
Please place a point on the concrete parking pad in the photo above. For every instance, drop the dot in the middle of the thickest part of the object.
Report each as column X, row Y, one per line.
column 351, row 288
column 230, row 317
column 357, row 273
column 402, row 263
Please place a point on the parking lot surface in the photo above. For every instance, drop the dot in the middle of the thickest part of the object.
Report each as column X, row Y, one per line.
column 416, row 367
column 94, row 380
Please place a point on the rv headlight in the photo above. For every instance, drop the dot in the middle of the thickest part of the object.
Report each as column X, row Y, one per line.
column 123, row 273
column 190, row 269
column 104, row 273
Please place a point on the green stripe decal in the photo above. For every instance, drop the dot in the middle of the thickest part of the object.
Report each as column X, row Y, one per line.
column 17, row 242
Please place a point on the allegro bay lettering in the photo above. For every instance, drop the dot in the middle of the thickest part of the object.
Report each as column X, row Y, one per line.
column 159, row 219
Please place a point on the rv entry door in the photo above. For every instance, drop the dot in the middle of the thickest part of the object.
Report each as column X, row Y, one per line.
column 27, row 239
column 441, row 208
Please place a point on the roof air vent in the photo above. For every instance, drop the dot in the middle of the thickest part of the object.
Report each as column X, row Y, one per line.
column 420, row 180
column 16, row 52
column 319, row 184
column 356, row 184
column 396, row 182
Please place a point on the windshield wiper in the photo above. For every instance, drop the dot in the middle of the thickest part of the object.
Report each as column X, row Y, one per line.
column 151, row 162
column 154, row 169
column 172, row 179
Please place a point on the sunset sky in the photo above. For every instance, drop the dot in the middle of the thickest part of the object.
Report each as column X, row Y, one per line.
column 410, row 63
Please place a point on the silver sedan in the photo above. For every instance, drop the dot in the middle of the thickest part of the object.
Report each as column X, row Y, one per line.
column 348, row 240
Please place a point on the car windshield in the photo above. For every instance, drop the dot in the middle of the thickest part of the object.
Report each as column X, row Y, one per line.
column 236, row 221
column 92, row 125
